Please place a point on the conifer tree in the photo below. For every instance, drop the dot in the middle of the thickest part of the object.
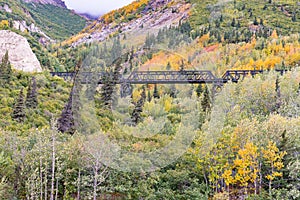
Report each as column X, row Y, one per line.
column 5, row 69
column 136, row 114
column 181, row 67
column 66, row 122
column 19, row 108
column 155, row 92
column 206, row 103
column 149, row 97
column 168, row 66
column 199, row 90
column 109, row 83
column 70, row 118
column 173, row 91
column 31, row 98
column 116, row 50
column 278, row 94
column 255, row 22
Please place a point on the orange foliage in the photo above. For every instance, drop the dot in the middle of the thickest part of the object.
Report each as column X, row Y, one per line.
column 126, row 10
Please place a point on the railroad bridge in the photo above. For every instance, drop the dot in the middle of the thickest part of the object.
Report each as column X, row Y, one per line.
column 166, row 77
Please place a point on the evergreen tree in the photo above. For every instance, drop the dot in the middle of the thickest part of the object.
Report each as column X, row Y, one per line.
column 181, row 67
column 136, row 114
column 233, row 22
column 109, row 83
column 278, row 94
column 221, row 18
column 199, row 90
column 70, row 118
column 149, row 98
column 155, row 92
column 160, row 36
column 168, row 66
column 294, row 17
column 5, row 69
column 19, row 108
column 173, row 91
column 31, row 98
column 206, row 102
column 116, row 50
column 66, row 122
column 255, row 22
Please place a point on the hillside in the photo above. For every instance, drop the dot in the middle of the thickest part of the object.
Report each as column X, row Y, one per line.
column 223, row 18
column 50, row 19
column 78, row 139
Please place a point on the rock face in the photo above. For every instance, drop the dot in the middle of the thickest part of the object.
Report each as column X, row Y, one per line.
column 156, row 15
column 52, row 2
column 20, row 54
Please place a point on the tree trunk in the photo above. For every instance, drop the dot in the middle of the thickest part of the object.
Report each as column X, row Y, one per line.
column 46, row 181
column 53, row 166
column 41, row 178
column 95, row 182
column 260, row 178
column 56, row 190
column 78, row 185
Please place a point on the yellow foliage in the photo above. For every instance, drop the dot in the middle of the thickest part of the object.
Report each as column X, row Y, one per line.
column 203, row 39
column 294, row 59
column 4, row 24
column 274, row 158
column 136, row 94
column 274, row 34
column 246, row 165
column 168, row 104
column 271, row 61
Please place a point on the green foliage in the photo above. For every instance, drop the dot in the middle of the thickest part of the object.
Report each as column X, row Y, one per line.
column 31, row 98
column 19, row 108
column 58, row 23
column 5, row 70
column 138, row 109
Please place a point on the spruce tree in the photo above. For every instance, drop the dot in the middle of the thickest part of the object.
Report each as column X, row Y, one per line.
column 173, row 91
column 136, row 114
column 206, row 103
column 31, row 98
column 66, row 122
column 181, row 67
column 294, row 19
column 116, row 50
column 155, row 92
column 109, row 82
column 70, row 117
column 199, row 90
column 19, row 108
column 255, row 22
column 278, row 94
column 5, row 69
column 168, row 66
column 149, row 97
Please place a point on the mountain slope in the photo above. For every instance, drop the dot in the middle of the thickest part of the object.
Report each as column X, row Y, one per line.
column 219, row 17
column 58, row 3
column 50, row 17
column 138, row 18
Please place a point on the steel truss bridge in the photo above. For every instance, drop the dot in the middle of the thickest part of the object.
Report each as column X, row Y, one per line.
column 165, row 77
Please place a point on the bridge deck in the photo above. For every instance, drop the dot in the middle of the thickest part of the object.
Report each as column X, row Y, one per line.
column 168, row 77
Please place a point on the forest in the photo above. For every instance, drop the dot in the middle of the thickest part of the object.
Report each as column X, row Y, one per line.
column 61, row 139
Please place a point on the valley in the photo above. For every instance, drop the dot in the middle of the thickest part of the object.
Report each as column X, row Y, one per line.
column 159, row 99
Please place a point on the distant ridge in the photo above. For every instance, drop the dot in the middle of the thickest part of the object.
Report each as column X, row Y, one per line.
column 52, row 2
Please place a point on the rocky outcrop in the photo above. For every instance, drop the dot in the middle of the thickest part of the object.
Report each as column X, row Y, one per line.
column 52, row 2
column 6, row 8
column 20, row 54
column 157, row 14
column 22, row 26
